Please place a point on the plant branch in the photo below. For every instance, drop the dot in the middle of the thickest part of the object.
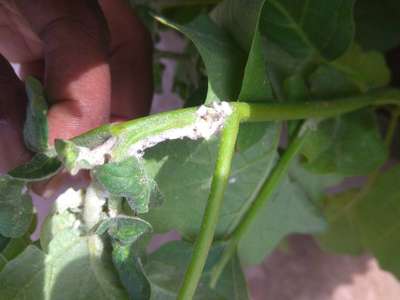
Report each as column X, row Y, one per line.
column 268, row 187
column 155, row 124
column 214, row 203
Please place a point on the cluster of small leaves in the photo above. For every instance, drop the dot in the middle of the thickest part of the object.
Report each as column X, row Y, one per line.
column 252, row 51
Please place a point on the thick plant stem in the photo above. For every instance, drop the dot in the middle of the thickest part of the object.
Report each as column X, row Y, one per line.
column 156, row 124
column 211, row 213
column 266, row 190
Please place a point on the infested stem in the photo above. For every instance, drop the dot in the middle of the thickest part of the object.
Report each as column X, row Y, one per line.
column 214, row 203
column 155, row 124
column 265, row 193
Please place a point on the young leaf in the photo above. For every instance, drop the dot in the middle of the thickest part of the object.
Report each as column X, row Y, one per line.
column 123, row 229
column 16, row 209
column 349, row 145
column 165, row 269
column 35, row 128
column 131, row 272
column 128, row 179
column 74, row 268
column 222, row 57
column 368, row 220
column 41, row 167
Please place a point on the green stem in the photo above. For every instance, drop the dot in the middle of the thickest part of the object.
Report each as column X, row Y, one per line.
column 269, row 186
column 211, row 213
column 314, row 109
column 155, row 124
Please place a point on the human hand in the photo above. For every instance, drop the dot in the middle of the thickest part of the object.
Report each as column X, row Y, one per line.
column 95, row 67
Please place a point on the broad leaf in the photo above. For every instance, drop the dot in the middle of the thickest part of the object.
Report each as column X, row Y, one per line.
column 308, row 28
column 35, row 128
column 290, row 210
column 74, row 268
column 183, row 171
column 348, row 145
column 368, row 220
column 128, row 179
column 15, row 207
column 165, row 269
column 354, row 72
column 222, row 57
column 341, row 236
column 299, row 35
column 255, row 85
column 39, row 168
column 315, row 185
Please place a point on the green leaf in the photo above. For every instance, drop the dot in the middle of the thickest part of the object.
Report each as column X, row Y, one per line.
column 354, row 72
column 3, row 242
column 255, row 85
column 348, row 145
column 74, row 268
column 183, row 170
column 123, row 229
column 165, row 269
column 290, row 210
column 131, row 272
column 39, row 168
column 296, row 39
column 313, row 184
column 13, row 247
column 36, row 128
column 341, row 236
column 15, row 207
column 306, row 28
column 128, row 179
column 377, row 23
column 368, row 220
column 222, row 57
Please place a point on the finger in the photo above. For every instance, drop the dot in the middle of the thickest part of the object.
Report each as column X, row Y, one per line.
column 77, row 76
column 12, row 112
column 130, row 61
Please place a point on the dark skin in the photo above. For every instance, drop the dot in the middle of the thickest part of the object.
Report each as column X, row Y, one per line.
column 94, row 60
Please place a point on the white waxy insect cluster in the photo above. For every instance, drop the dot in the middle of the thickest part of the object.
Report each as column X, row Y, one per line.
column 93, row 157
column 210, row 120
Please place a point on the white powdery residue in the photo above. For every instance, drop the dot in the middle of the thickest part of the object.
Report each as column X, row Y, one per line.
column 93, row 207
column 88, row 158
column 210, row 120
column 70, row 199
